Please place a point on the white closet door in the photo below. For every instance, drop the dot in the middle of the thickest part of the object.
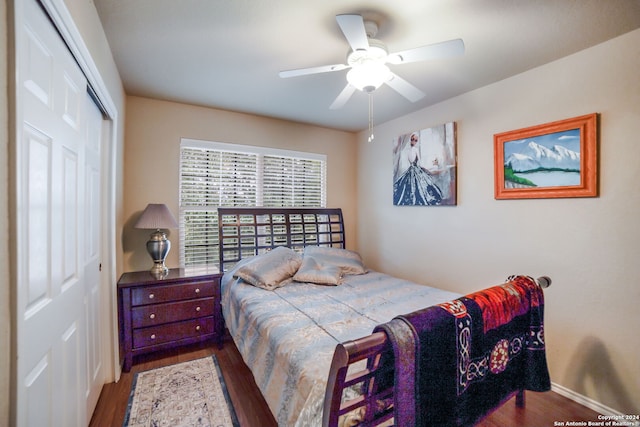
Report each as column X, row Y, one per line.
column 92, row 244
column 57, row 226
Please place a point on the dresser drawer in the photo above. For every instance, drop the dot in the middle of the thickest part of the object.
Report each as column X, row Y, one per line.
column 158, row 294
column 161, row 334
column 156, row 314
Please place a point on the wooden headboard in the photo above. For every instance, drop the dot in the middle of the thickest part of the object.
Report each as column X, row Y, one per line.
column 246, row 232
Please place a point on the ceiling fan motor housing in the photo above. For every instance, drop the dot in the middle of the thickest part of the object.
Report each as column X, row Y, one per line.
column 377, row 52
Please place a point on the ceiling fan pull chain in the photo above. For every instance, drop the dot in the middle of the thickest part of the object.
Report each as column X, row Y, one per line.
column 370, row 116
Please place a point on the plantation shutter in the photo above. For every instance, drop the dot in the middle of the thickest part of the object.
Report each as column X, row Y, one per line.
column 292, row 182
column 216, row 175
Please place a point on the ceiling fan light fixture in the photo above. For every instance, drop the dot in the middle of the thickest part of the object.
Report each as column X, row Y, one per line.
column 369, row 76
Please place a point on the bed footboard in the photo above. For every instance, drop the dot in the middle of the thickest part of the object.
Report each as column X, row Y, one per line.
column 359, row 364
column 373, row 404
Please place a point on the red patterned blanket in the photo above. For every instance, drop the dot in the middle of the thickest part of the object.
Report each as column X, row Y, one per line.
column 456, row 362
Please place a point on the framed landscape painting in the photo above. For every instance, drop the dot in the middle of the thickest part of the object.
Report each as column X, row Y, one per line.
column 552, row 160
column 424, row 167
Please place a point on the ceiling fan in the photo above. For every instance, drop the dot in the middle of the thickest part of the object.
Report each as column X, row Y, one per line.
column 368, row 59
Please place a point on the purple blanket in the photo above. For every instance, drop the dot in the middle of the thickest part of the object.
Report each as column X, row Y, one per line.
column 456, row 362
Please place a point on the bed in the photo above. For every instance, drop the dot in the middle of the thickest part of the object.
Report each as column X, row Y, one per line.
column 331, row 342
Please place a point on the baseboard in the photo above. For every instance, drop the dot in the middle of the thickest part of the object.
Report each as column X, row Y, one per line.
column 584, row 400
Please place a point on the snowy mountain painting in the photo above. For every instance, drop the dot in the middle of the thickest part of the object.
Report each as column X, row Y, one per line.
column 543, row 161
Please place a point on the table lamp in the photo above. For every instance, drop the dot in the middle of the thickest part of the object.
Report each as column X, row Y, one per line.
column 157, row 216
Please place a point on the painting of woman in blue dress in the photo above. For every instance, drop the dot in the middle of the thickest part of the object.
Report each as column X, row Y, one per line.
column 424, row 167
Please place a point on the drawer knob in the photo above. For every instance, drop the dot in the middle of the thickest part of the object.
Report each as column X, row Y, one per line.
column 197, row 290
column 198, row 328
column 152, row 316
column 197, row 308
column 151, row 296
column 153, row 336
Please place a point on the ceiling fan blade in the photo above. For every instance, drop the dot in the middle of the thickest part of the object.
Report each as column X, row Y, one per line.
column 343, row 97
column 352, row 27
column 405, row 88
column 312, row 70
column 430, row 51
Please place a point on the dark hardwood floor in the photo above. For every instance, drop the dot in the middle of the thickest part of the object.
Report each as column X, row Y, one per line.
column 541, row 409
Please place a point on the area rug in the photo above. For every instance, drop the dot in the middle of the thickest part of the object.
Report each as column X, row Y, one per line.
column 186, row 394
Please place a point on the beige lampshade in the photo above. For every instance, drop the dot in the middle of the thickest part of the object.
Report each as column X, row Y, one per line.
column 156, row 216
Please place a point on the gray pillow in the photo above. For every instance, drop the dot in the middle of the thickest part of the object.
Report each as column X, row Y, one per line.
column 348, row 261
column 270, row 270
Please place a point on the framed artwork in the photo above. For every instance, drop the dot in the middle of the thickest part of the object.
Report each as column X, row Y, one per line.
column 424, row 167
column 553, row 160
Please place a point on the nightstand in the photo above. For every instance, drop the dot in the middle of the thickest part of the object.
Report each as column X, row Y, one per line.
column 180, row 308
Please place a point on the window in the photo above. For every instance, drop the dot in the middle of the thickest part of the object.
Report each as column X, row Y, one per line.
column 216, row 175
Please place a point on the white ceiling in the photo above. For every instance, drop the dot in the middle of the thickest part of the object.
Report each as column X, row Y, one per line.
column 227, row 53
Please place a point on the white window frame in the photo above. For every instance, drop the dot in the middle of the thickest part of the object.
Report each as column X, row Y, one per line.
column 260, row 152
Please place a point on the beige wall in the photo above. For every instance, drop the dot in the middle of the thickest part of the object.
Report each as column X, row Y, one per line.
column 589, row 247
column 153, row 132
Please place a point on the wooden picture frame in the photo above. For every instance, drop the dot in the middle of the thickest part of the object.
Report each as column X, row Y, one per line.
column 552, row 160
